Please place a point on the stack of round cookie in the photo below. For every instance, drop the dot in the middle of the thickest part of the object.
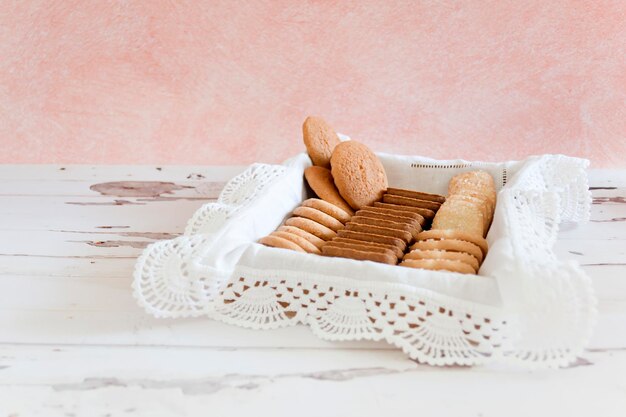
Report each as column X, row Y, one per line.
column 456, row 240
column 382, row 231
column 312, row 224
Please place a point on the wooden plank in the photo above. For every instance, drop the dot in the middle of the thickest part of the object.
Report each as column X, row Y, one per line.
column 612, row 229
column 95, row 214
column 609, row 284
column 60, row 380
column 103, row 173
column 592, row 252
column 43, row 365
column 113, row 244
column 67, row 294
column 607, row 177
column 121, row 189
column 67, row 266
column 121, row 328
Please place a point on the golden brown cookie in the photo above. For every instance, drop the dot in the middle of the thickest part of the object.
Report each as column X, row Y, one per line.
column 303, row 234
column 312, row 227
column 455, row 234
column 414, row 229
column 385, row 216
column 372, row 237
column 319, row 217
column 450, row 245
column 328, row 208
column 477, row 184
column 343, row 240
column 320, row 140
column 482, row 203
column 413, row 202
column 379, row 211
column 441, row 254
column 460, row 215
column 321, row 182
column 279, row 242
column 359, row 175
column 480, row 181
column 385, row 231
column 386, row 257
column 300, row 241
column 426, row 213
column 439, row 265
column 361, row 247
column 416, row 194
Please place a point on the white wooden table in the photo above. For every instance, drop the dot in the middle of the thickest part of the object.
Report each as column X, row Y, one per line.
column 74, row 343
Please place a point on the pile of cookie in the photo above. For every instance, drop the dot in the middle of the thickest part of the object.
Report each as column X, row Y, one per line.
column 382, row 231
column 358, row 216
column 313, row 223
column 456, row 240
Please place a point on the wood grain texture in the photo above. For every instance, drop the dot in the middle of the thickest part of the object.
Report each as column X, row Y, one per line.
column 72, row 339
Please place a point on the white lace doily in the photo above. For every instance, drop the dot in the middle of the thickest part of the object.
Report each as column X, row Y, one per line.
column 525, row 305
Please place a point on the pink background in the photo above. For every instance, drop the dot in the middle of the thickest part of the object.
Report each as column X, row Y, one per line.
column 222, row 83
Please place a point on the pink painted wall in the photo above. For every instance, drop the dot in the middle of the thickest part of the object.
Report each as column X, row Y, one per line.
column 216, row 82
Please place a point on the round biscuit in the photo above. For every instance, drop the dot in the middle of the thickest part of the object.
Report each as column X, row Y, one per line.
column 279, row 242
column 450, row 245
column 442, row 254
column 320, row 140
column 439, row 265
column 455, row 234
column 322, row 183
column 303, row 234
column 312, row 227
column 319, row 217
column 300, row 241
column 328, row 208
column 359, row 175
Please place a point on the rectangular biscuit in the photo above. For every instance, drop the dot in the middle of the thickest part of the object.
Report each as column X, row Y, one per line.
column 426, row 213
column 384, row 213
column 373, row 245
column 361, row 247
column 386, row 257
column 386, row 216
column 372, row 237
column 385, row 231
column 413, row 229
column 416, row 194
column 413, row 202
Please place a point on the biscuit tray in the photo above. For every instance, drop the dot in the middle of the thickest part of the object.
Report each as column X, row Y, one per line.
column 525, row 305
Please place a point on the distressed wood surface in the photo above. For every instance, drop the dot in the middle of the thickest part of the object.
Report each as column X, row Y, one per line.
column 73, row 341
